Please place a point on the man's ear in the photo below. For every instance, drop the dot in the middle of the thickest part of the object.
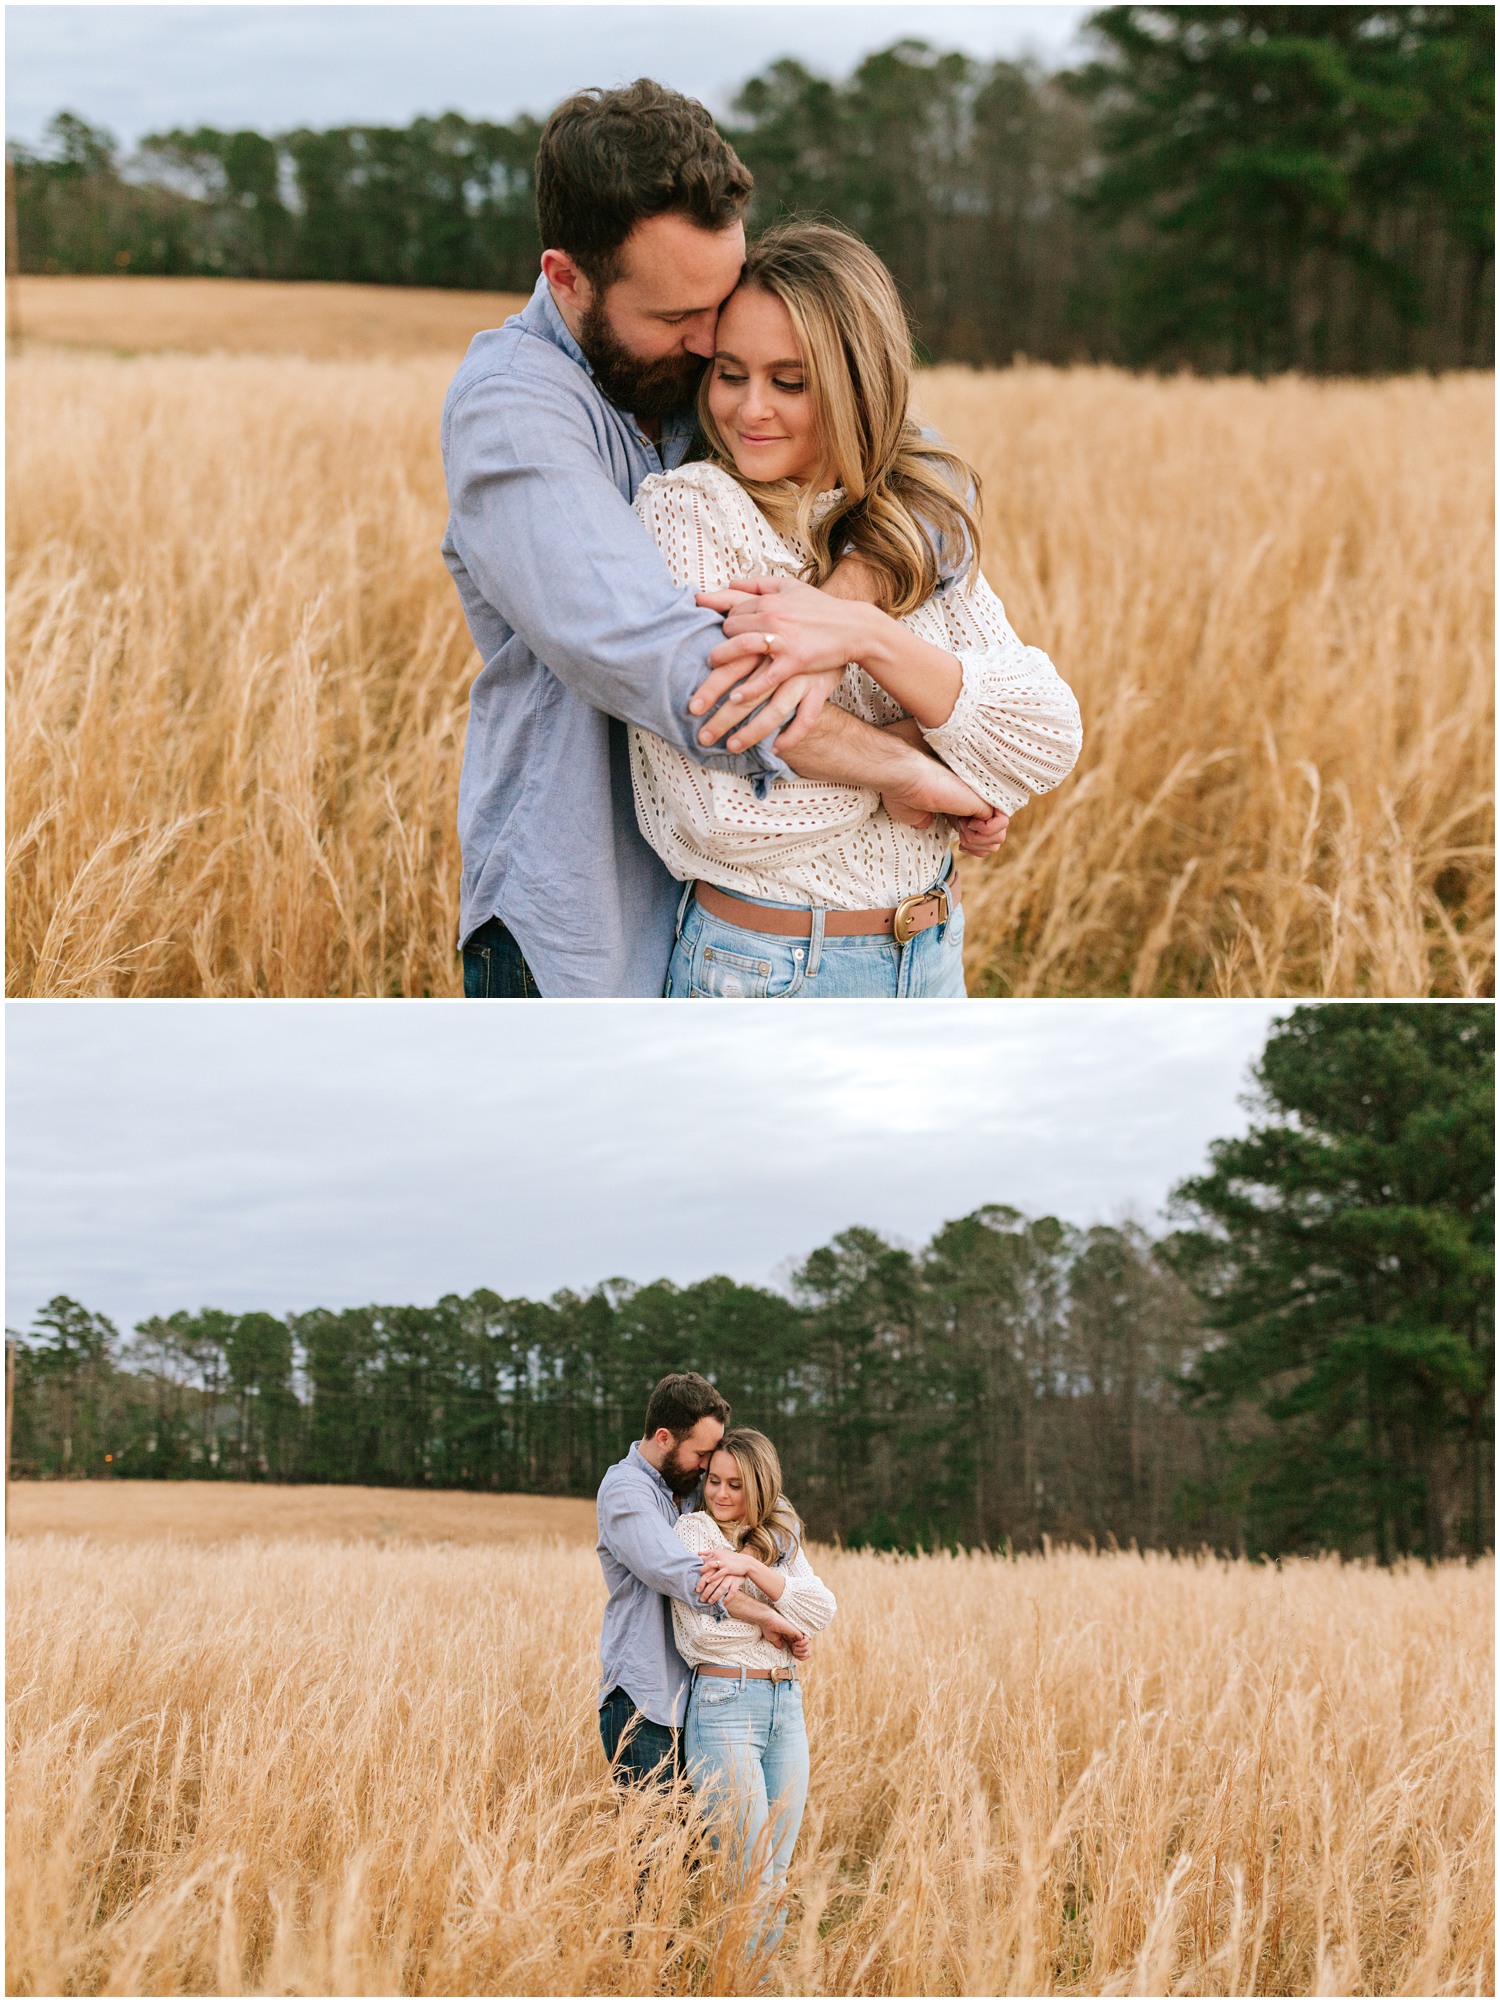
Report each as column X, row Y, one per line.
column 566, row 280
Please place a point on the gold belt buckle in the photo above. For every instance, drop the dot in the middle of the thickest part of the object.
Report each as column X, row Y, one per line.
column 902, row 925
column 782, row 1674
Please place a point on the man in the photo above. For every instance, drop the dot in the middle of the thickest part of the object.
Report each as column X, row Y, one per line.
column 644, row 1682
column 549, row 427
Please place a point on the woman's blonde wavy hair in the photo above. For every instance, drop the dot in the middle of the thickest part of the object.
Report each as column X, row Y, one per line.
column 857, row 357
column 769, row 1528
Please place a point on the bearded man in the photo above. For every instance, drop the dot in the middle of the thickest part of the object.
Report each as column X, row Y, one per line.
column 549, row 427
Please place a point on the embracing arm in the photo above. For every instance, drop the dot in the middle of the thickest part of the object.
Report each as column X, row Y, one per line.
column 645, row 1544
column 694, row 1624
column 556, row 549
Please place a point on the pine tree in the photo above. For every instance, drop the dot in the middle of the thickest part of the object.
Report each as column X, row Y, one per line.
column 1343, row 1254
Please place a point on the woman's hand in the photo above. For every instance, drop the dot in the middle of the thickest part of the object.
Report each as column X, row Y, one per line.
column 810, row 633
column 719, row 1564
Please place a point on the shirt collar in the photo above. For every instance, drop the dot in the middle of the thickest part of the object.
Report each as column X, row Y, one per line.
column 541, row 317
column 640, row 1459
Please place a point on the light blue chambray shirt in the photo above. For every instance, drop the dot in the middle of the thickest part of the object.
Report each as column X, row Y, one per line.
column 645, row 1568
column 581, row 630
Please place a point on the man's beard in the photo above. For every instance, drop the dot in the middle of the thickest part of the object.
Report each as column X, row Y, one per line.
column 677, row 1478
column 649, row 390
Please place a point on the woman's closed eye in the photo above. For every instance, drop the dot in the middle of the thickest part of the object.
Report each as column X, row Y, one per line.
column 722, row 374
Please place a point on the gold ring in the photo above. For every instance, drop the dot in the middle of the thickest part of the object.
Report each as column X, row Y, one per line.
column 768, row 641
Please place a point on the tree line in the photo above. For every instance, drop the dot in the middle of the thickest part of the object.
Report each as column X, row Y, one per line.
column 1220, row 187
column 1304, row 1361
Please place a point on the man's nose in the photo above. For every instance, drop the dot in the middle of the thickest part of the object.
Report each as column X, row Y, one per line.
column 700, row 339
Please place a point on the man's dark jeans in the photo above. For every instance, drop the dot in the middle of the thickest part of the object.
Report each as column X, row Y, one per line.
column 494, row 967
column 651, row 1754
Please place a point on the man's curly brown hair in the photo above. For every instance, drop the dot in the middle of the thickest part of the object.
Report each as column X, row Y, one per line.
column 609, row 159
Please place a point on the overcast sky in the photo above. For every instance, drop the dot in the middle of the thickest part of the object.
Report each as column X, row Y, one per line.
column 284, row 1155
column 142, row 69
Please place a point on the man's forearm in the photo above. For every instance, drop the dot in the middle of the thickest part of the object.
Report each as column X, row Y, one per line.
column 741, row 1606
column 842, row 748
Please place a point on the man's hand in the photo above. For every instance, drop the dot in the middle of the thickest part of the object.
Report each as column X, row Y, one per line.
column 923, row 786
column 982, row 833
column 978, row 833
column 793, row 709
column 784, row 1634
column 855, row 581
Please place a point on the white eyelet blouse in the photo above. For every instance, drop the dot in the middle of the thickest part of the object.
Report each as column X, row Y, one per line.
column 1014, row 730
column 805, row 1600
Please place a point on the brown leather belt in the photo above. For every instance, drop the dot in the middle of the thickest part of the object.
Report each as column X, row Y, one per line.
column 754, row 1674
column 902, row 922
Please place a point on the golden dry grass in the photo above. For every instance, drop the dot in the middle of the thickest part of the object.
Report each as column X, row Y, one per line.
column 1276, row 603
column 292, row 1768
column 238, row 679
column 213, row 1511
column 208, row 315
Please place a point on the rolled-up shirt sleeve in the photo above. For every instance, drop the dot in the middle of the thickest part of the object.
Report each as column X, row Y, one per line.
column 554, row 546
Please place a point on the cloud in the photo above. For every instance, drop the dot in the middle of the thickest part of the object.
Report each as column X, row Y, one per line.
column 139, row 69
column 172, row 1154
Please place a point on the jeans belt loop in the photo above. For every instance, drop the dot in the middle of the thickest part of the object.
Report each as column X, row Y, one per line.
column 682, row 903
column 815, row 942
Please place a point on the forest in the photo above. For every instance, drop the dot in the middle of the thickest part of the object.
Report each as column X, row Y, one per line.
column 1303, row 1359
column 1219, row 188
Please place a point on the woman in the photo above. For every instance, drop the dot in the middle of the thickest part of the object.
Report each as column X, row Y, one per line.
column 744, row 1739
column 820, row 888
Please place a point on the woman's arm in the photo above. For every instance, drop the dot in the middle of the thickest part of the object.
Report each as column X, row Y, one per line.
column 797, row 1591
column 1014, row 730
column 740, row 1564
column 807, row 1600
column 705, row 533
column 996, row 712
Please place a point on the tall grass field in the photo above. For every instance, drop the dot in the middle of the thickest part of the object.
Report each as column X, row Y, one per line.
column 369, row 1764
column 238, row 675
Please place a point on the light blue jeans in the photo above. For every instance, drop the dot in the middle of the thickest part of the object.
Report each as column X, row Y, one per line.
column 717, row 961
column 745, row 1748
